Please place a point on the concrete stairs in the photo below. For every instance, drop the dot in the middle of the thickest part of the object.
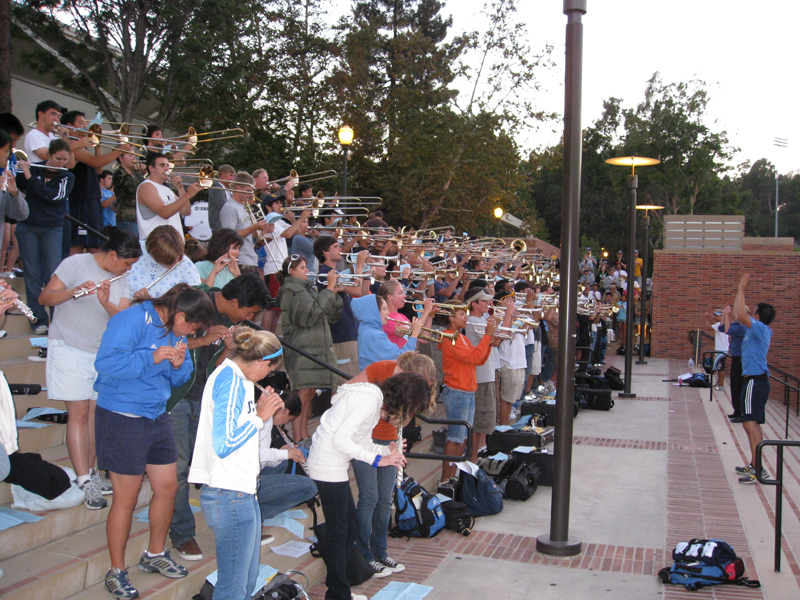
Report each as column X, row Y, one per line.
column 65, row 555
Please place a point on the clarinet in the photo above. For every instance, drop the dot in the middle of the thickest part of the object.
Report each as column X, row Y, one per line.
column 281, row 431
column 23, row 308
column 179, row 342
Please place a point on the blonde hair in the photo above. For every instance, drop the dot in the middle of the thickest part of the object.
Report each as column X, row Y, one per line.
column 253, row 345
column 414, row 362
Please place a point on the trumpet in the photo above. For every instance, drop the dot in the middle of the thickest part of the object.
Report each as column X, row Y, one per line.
column 23, row 308
column 427, row 334
column 503, row 333
column 345, row 279
column 352, row 257
column 446, row 310
column 86, row 291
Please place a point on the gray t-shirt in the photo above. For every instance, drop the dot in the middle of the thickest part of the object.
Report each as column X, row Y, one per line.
column 234, row 216
column 81, row 323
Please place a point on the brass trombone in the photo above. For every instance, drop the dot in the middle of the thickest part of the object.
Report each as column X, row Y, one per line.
column 446, row 310
column 22, row 155
column 194, row 138
column 298, row 179
column 427, row 334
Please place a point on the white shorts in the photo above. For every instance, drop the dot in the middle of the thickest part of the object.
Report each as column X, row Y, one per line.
column 69, row 372
column 536, row 363
column 512, row 382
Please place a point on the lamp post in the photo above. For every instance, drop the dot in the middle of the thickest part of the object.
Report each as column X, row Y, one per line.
column 780, row 143
column 643, row 326
column 498, row 214
column 345, row 139
column 633, row 184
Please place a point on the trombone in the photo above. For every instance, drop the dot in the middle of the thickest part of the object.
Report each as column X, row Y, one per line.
column 427, row 334
column 296, row 179
column 194, row 138
column 446, row 310
column 22, row 155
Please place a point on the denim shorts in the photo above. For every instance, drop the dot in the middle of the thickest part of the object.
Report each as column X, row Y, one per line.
column 126, row 445
column 458, row 405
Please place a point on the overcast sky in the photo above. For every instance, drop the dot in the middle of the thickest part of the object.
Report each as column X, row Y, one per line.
column 746, row 51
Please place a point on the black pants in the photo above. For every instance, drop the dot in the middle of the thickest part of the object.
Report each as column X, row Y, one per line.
column 736, row 384
column 341, row 524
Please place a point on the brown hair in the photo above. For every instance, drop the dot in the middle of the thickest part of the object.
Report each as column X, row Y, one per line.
column 405, row 395
column 289, row 263
column 414, row 362
column 165, row 245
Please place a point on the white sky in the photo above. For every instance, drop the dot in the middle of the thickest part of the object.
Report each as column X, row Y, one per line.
column 745, row 51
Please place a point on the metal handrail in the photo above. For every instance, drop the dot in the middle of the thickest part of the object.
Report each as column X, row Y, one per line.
column 711, row 375
column 778, row 483
column 347, row 376
column 787, row 388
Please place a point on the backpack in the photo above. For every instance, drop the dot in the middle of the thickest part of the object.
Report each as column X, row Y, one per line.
column 481, row 494
column 614, row 379
column 457, row 518
column 701, row 562
column 523, row 482
column 418, row 513
column 699, row 380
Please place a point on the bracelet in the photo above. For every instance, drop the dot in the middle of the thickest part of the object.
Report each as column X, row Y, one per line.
column 376, row 461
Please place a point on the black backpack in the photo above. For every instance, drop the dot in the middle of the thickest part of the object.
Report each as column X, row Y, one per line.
column 457, row 518
column 523, row 482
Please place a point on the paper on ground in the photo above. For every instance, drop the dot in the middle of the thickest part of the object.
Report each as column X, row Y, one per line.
column 293, row 548
column 294, row 527
column 10, row 517
column 42, row 410
column 29, row 425
column 403, row 591
column 265, row 573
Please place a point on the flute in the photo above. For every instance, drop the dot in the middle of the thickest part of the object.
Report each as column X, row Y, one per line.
column 400, row 469
column 23, row 308
column 164, row 274
column 281, row 431
column 86, row 291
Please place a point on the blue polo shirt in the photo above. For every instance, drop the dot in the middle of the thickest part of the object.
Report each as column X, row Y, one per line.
column 736, row 334
column 754, row 349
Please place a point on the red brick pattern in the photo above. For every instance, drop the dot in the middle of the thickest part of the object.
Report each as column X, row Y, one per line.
column 688, row 285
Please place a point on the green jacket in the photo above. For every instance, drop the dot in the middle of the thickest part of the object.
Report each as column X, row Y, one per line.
column 305, row 317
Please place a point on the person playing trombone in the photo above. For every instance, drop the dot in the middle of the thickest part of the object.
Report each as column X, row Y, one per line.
column 156, row 204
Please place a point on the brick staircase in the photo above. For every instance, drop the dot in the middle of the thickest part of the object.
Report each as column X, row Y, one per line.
column 64, row 556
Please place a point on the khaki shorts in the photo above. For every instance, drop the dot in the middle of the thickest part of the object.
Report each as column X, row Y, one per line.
column 485, row 408
column 346, row 360
column 512, row 381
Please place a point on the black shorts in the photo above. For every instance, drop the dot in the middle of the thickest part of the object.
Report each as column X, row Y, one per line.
column 755, row 393
column 91, row 213
column 126, row 445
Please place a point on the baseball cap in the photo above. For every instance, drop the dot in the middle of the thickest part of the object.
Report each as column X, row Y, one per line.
column 477, row 294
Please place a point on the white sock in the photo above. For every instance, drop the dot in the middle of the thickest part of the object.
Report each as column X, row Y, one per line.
column 153, row 555
column 83, row 479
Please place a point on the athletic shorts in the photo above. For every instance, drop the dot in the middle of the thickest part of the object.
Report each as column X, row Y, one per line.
column 69, row 372
column 755, row 393
column 126, row 445
column 512, row 382
column 485, row 408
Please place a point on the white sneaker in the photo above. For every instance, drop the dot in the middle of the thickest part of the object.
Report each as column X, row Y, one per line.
column 103, row 484
column 358, row 597
column 40, row 330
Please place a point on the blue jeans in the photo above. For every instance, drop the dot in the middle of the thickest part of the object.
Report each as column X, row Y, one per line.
column 129, row 226
column 185, row 416
column 458, row 404
column 548, row 363
column 40, row 249
column 529, row 361
column 279, row 492
column 341, row 519
column 235, row 519
column 374, row 506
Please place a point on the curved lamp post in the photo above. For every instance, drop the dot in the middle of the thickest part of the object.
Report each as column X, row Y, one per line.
column 633, row 184
column 345, row 139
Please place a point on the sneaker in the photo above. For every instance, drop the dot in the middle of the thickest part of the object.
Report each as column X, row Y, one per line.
column 749, row 478
column 358, row 597
column 103, row 484
column 93, row 498
column 162, row 564
column 750, row 470
column 392, row 565
column 379, row 570
column 718, row 387
column 266, row 538
column 304, row 443
column 189, row 550
column 3, row 334
column 40, row 330
column 119, row 585
column 513, row 415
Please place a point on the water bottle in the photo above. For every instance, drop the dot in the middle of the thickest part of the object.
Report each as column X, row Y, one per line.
column 691, row 363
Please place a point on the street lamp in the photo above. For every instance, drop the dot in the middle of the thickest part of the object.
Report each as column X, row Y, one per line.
column 643, row 327
column 780, row 143
column 633, row 184
column 498, row 214
column 345, row 139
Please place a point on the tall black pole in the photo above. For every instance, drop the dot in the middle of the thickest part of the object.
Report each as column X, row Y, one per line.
column 633, row 183
column 344, row 170
column 558, row 542
column 643, row 291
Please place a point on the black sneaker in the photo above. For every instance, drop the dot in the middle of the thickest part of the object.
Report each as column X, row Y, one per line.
column 119, row 585
column 393, row 566
column 379, row 570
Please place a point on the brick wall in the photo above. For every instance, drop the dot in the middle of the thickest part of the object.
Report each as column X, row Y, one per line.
column 687, row 284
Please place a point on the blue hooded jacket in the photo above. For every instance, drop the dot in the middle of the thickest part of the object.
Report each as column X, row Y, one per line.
column 373, row 344
column 127, row 380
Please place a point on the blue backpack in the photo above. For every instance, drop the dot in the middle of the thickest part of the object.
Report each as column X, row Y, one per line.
column 418, row 513
column 480, row 494
column 700, row 563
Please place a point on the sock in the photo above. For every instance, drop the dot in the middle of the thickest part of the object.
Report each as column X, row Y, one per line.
column 83, row 479
column 148, row 555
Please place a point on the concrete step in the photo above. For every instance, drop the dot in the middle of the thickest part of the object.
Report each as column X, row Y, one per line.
column 23, row 403
column 17, row 346
column 17, row 284
column 34, row 440
column 57, row 524
column 22, row 370
column 16, row 323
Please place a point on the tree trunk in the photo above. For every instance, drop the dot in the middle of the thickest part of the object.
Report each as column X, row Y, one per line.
column 5, row 56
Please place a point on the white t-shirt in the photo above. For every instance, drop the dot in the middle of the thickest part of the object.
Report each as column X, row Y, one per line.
column 34, row 140
column 81, row 323
column 484, row 372
column 511, row 353
column 276, row 249
column 234, row 216
column 720, row 339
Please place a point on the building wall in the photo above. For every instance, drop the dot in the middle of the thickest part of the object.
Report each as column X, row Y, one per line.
column 688, row 284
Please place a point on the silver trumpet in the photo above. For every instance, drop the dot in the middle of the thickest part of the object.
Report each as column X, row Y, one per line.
column 86, row 291
column 23, row 308
column 345, row 279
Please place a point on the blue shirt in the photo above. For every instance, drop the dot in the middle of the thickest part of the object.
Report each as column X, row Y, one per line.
column 736, row 333
column 754, row 349
column 346, row 328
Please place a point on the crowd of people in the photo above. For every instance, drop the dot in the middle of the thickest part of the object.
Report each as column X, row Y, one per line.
column 148, row 346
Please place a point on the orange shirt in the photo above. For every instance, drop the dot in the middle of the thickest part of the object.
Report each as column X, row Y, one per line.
column 459, row 361
column 378, row 372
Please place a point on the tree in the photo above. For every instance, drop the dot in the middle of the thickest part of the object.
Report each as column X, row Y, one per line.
column 5, row 56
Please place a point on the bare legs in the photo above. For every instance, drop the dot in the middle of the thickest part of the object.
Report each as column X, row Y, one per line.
column 300, row 424
column 80, row 435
